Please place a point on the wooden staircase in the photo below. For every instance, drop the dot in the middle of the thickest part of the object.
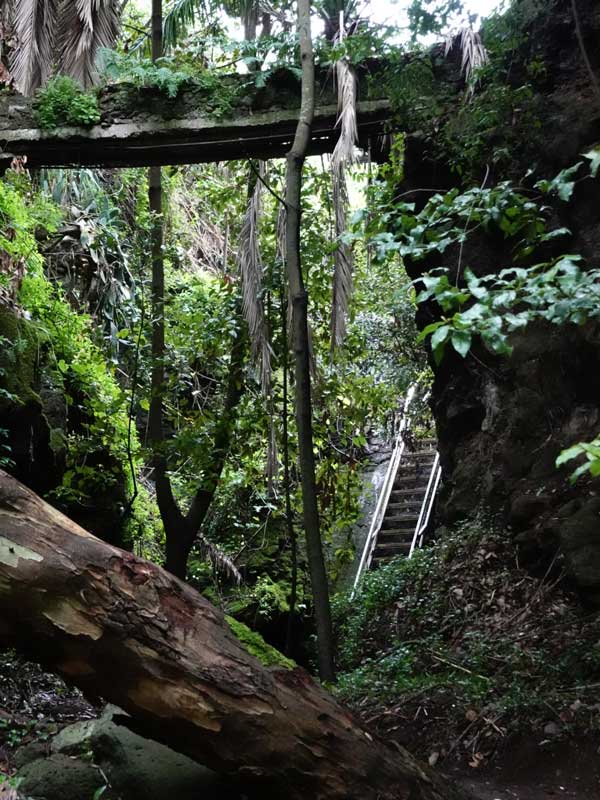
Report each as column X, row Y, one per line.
column 406, row 501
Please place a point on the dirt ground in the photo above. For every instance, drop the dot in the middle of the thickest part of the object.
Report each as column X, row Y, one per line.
column 530, row 770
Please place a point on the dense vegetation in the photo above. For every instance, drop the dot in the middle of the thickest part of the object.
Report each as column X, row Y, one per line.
column 149, row 326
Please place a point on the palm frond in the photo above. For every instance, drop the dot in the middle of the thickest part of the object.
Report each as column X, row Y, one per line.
column 251, row 272
column 220, row 560
column 180, row 18
column 347, row 88
column 86, row 27
column 272, row 467
column 343, row 263
column 34, row 25
column 474, row 55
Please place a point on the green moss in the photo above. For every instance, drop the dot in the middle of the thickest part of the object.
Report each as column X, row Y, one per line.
column 58, row 440
column 257, row 647
column 18, row 359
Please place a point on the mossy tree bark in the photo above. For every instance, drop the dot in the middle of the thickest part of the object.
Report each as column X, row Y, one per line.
column 126, row 630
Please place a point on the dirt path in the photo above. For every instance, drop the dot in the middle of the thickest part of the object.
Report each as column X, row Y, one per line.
column 529, row 770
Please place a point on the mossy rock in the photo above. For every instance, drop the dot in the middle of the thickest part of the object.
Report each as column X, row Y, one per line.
column 18, row 359
column 257, row 647
column 60, row 776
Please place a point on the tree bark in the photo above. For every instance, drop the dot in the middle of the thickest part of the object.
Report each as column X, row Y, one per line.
column 181, row 529
column 295, row 162
column 124, row 629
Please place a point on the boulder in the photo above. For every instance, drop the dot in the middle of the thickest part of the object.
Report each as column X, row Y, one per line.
column 85, row 756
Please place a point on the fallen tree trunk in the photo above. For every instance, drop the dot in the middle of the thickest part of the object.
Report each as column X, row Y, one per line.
column 124, row 629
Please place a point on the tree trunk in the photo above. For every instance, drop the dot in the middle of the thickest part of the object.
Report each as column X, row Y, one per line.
column 180, row 529
column 128, row 631
column 295, row 162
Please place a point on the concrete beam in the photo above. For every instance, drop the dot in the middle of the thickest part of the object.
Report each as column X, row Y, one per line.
column 141, row 128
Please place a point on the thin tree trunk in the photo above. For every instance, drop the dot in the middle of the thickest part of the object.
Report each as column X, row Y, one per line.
column 124, row 629
column 180, row 529
column 287, row 488
column 295, row 162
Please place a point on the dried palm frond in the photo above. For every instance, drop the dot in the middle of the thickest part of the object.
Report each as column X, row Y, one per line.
column 34, row 26
column 347, row 88
column 220, row 560
column 343, row 265
column 474, row 54
column 272, row 467
column 207, row 245
column 86, row 27
column 251, row 272
column 266, row 7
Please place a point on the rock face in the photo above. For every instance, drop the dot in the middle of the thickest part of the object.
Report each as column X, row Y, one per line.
column 502, row 422
column 86, row 756
column 35, row 420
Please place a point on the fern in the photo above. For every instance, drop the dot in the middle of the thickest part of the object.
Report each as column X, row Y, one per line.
column 63, row 102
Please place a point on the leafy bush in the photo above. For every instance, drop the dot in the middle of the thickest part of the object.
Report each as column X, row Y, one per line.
column 145, row 73
column 169, row 77
column 63, row 102
column 588, row 452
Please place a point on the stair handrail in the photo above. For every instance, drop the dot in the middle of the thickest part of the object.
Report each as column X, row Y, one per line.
column 384, row 493
column 426, row 505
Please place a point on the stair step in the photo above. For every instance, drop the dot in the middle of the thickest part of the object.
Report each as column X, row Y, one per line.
column 399, row 533
column 390, row 523
column 395, row 536
column 404, row 506
column 402, row 493
column 392, row 548
column 405, row 482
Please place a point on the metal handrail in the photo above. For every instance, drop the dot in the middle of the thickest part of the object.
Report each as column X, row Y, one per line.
column 384, row 494
column 426, row 505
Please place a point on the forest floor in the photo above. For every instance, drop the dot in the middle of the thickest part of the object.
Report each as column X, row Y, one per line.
column 526, row 770
column 34, row 705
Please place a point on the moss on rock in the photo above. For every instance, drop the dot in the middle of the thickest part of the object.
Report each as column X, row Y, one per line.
column 18, row 359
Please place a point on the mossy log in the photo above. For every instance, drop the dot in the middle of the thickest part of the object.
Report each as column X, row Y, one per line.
column 124, row 629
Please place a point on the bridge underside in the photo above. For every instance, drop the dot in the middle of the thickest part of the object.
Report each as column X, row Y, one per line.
column 143, row 129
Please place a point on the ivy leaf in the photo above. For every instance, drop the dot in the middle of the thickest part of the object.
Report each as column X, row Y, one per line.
column 594, row 157
column 438, row 342
column 461, row 342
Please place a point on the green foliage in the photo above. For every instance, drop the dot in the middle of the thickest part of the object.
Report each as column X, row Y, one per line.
column 63, row 102
column 257, row 647
column 170, row 76
column 431, row 16
column 588, row 453
column 558, row 292
column 144, row 73
column 460, row 617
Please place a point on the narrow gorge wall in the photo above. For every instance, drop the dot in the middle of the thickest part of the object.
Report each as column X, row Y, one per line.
column 503, row 421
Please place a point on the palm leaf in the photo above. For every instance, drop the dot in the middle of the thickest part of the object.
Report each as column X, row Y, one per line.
column 344, row 262
column 473, row 52
column 220, row 560
column 34, row 24
column 251, row 272
column 180, row 18
column 86, row 27
column 347, row 88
